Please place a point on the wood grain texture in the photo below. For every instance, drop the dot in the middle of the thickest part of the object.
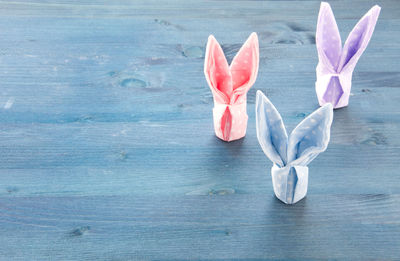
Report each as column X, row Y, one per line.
column 107, row 144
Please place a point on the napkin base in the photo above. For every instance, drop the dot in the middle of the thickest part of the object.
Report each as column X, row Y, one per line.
column 290, row 183
column 333, row 88
column 230, row 121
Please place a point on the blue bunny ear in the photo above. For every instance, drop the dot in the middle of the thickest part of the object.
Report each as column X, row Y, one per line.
column 311, row 136
column 271, row 132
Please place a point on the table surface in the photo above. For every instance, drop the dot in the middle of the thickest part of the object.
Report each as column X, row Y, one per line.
column 107, row 144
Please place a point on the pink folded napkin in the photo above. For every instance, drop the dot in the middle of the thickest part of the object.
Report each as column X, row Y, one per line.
column 336, row 65
column 230, row 84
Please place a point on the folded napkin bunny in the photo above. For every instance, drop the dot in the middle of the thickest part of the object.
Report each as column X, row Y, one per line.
column 229, row 85
column 291, row 155
column 336, row 65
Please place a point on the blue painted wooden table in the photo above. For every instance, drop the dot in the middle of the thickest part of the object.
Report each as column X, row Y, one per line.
column 107, row 145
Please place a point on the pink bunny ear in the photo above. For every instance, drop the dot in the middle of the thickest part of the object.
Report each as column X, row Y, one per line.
column 359, row 37
column 217, row 72
column 329, row 44
column 244, row 67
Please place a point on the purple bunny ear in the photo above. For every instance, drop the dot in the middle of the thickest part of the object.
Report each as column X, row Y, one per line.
column 329, row 44
column 358, row 38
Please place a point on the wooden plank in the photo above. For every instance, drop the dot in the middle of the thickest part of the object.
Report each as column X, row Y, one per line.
column 193, row 9
column 107, row 145
column 200, row 227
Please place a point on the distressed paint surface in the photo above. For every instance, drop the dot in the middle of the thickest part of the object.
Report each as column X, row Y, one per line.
column 108, row 150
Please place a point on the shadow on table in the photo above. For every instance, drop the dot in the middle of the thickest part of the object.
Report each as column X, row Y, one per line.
column 225, row 156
